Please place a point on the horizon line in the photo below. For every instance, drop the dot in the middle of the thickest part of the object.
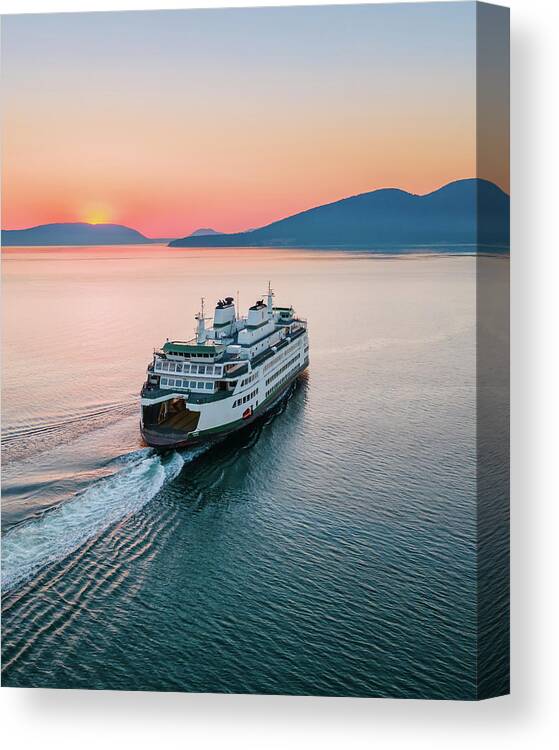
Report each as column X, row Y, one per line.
column 242, row 231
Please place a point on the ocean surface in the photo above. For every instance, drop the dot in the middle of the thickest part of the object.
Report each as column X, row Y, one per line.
column 330, row 550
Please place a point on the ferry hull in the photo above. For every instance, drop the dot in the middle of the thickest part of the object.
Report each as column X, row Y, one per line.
column 165, row 439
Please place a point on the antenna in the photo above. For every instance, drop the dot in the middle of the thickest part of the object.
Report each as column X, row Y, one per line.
column 270, row 301
column 201, row 327
column 238, row 315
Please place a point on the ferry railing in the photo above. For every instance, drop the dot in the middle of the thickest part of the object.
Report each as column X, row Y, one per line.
column 192, row 397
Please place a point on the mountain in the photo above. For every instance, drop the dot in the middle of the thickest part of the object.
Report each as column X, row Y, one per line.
column 468, row 211
column 74, row 234
column 203, row 232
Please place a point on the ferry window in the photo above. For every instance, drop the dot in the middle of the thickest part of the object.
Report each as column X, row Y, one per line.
column 179, row 368
column 193, row 384
column 202, row 370
column 165, row 365
column 163, row 381
column 200, row 385
column 209, row 386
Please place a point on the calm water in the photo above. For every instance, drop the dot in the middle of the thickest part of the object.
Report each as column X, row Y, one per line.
column 331, row 550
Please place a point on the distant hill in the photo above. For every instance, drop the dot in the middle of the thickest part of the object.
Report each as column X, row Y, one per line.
column 463, row 212
column 203, row 232
column 74, row 234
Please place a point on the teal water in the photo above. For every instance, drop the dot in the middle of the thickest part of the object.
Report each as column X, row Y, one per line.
column 328, row 551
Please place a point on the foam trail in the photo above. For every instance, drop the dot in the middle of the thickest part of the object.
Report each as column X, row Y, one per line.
column 59, row 532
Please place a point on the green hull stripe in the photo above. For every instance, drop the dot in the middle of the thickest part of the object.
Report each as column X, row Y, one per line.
column 238, row 422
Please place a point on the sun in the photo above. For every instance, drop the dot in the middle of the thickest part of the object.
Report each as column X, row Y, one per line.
column 96, row 215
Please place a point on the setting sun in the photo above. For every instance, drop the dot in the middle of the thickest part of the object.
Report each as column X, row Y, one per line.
column 96, row 215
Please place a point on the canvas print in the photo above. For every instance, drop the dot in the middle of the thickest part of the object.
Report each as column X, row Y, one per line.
column 255, row 350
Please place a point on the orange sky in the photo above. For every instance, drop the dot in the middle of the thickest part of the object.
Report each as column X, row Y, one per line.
column 170, row 121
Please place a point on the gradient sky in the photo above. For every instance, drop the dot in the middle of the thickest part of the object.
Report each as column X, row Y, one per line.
column 172, row 120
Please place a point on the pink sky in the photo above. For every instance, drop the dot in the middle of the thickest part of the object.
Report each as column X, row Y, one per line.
column 171, row 121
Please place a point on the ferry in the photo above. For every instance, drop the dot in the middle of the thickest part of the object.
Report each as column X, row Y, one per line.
column 228, row 375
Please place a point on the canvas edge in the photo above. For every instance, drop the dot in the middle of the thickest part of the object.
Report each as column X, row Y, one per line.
column 492, row 364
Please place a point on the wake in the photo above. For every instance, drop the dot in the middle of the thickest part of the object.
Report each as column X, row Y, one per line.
column 30, row 546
